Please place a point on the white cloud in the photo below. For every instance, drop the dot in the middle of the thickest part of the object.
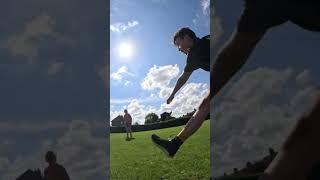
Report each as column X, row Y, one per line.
column 114, row 114
column 165, row 92
column 24, row 44
column 55, row 68
column 273, row 84
column 196, row 19
column 153, row 95
column 120, row 101
column 133, row 104
column 82, row 153
column 4, row 163
column 77, row 141
column 151, row 98
column 160, row 77
column 123, row 70
column 120, row 27
column 133, row 23
column 258, row 111
column 304, row 78
column 205, row 4
column 127, row 83
column 189, row 98
column 139, row 111
column 26, row 127
column 203, row 17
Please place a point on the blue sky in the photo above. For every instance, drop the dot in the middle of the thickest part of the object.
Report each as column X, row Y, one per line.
column 143, row 81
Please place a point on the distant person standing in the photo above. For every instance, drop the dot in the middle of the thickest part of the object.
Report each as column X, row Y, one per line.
column 54, row 171
column 127, row 121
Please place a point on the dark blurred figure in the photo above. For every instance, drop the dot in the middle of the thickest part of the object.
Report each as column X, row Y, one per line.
column 31, row 175
column 54, row 171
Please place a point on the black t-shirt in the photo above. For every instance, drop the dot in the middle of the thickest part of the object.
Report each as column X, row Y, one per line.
column 260, row 15
column 199, row 55
column 56, row 171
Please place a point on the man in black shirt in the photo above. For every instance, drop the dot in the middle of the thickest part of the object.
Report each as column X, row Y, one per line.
column 198, row 56
column 256, row 19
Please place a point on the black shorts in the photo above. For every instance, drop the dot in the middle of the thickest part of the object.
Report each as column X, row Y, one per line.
column 260, row 15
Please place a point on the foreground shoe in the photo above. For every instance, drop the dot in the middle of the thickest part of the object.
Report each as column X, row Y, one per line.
column 169, row 147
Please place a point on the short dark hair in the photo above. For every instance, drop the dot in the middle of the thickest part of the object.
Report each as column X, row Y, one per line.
column 50, row 157
column 182, row 32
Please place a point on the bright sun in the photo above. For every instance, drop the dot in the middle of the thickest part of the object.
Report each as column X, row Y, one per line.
column 125, row 50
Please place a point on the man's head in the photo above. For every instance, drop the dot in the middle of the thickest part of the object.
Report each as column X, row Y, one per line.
column 51, row 157
column 125, row 111
column 184, row 39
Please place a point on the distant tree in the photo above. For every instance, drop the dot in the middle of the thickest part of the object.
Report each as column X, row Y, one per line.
column 151, row 118
column 136, row 123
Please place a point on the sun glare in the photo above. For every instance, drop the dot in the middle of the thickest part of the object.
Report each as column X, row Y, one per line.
column 125, row 50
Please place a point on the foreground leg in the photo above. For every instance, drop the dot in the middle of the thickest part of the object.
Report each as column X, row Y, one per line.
column 130, row 130
column 127, row 136
column 196, row 120
column 127, row 131
column 170, row 147
column 131, row 133
column 300, row 152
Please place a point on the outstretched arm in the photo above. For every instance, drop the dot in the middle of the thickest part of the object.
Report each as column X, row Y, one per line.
column 232, row 57
column 181, row 81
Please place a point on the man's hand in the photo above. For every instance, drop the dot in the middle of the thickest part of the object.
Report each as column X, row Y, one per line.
column 181, row 81
column 169, row 100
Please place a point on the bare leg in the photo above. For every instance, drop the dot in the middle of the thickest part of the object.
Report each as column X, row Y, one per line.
column 130, row 130
column 127, row 131
column 196, row 120
column 170, row 147
column 300, row 151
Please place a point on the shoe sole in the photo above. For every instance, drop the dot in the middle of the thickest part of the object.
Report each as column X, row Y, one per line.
column 162, row 149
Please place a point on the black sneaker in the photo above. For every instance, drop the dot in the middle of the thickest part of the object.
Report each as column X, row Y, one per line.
column 169, row 147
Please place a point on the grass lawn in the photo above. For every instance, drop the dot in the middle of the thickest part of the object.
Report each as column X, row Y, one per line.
column 140, row 159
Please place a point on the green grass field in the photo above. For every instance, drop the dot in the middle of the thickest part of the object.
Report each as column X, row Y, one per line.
column 139, row 159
